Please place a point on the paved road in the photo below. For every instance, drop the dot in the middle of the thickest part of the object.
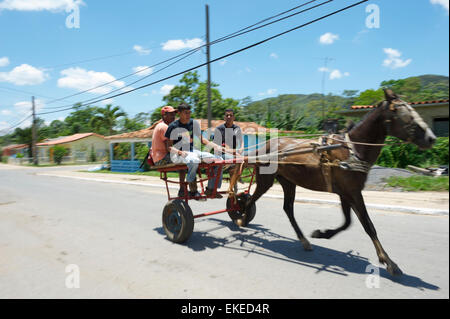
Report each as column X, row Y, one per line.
column 113, row 234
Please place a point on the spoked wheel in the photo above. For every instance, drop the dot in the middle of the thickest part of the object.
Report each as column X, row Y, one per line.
column 178, row 221
column 238, row 215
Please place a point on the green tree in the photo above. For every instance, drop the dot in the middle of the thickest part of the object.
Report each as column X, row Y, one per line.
column 106, row 118
column 183, row 92
column 156, row 115
column 192, row 91
column 57, row 128
column 370, row 97
column 127, row 124
column 218, row 103
column 79, row 121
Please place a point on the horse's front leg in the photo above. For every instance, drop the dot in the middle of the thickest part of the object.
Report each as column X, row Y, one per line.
column 360, row 209
column 327, row 234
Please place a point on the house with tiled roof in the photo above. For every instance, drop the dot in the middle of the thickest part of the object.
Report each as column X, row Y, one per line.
column 79, row 147
column 11, row 150
column 434, row 113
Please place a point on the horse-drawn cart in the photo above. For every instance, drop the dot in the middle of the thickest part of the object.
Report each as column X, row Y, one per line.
column 177, row 217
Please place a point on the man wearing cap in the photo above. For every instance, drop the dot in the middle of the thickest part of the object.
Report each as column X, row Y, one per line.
column 160, row 153
column 180, row 143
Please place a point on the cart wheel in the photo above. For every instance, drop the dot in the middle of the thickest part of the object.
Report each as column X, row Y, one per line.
column 237, row 216
column 177, row 220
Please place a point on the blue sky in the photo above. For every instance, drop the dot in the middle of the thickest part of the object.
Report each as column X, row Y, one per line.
column 40, row 54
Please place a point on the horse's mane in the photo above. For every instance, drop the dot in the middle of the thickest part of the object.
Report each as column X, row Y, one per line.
column 355, row 126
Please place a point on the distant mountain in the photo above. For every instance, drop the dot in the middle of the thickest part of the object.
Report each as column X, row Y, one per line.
column 433, row 79
column 421, row 88
column 300, row 111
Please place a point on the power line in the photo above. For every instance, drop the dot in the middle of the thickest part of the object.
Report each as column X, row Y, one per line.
column 17, row 124
column 23, row 92
column 224, row 56
column 224, row 38
column 153, row 73
column 27, row 93
column 89, row 60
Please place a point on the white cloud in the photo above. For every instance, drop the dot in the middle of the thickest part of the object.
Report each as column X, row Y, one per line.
column 268, row 92
column 274, row 56
column 394, row 60
column 360, row 35
column 165, row 89
column 81, row 80
column 334, row 74
column 108, row 101
column 3, row 126
column 24, row 107
column 4, row 61
column 328, row 38
column 175, row 45
column 143, row 70
column 443, row 3
column 246, row 69
column 139, row 49
column 40, row 5
column 337, row 74
column 5, row 112
column 24, row 75
column 223, row 62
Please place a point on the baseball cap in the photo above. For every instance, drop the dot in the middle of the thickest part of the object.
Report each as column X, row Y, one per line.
column 167, row 109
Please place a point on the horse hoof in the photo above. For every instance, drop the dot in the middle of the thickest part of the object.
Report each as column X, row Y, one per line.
column 394, row 270
column 317, row 234
column 306, row 245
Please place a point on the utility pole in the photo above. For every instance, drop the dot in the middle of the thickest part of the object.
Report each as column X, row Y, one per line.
column 34, row 135
column 208, row 70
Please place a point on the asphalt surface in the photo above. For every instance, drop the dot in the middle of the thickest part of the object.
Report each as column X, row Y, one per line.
column 113, row 234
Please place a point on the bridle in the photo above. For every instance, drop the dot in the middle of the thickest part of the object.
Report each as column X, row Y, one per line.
column 406, row 115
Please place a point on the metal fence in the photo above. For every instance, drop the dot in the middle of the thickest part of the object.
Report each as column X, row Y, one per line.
column 77, row 157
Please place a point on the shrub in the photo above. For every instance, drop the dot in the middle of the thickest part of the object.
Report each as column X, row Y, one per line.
column 58, row 153
column 399, row 154
column 92, row 155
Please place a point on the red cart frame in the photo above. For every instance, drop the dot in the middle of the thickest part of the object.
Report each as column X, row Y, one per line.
column 177, row 217
column 205, row 172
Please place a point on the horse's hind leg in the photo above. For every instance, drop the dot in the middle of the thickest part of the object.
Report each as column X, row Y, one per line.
column 327, row 234
column 360, row 209
column 288, row 206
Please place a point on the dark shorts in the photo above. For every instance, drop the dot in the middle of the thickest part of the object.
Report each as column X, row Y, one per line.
column 166, row 160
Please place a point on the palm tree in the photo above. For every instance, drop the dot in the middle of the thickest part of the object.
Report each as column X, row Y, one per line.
column 107, row 118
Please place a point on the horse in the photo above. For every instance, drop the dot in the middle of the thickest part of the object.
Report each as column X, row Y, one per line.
column 341, row 170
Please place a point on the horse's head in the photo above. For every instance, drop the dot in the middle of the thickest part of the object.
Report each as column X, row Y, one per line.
column 405, row 123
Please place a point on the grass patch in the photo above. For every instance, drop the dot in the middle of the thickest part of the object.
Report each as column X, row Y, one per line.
column 420, row 183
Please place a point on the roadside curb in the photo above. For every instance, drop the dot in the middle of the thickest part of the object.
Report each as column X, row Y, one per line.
column 403, row 209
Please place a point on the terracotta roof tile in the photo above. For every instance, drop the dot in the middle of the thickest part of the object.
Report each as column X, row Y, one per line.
column 358, row 107
column 68, row 139
column 14, row 146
